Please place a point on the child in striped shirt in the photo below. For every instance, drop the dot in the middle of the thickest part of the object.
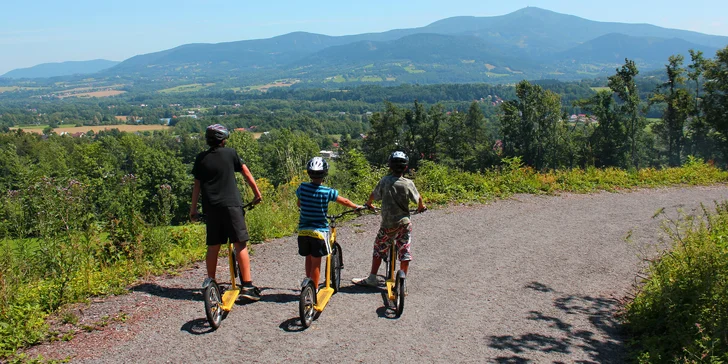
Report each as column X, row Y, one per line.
column 313, row 227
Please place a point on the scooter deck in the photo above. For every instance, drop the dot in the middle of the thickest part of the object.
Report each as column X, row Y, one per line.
column 322, row 298
column 228, row 299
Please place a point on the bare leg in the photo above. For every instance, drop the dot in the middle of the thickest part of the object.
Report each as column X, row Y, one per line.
column 211, row 260
column 376, row 262
column 244, row 262
column 313, row 269
column 404, row 265
column 308, row 266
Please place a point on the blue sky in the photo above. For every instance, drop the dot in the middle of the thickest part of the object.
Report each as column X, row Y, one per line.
column 40, row 31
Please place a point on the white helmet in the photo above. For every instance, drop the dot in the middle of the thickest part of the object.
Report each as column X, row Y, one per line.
column 317, row 167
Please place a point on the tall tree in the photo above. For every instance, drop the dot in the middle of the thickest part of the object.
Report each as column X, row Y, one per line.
column 459, row 151
column 716, row 97
column 385, row 134
column 475, row 124
column 432, row 132
column 529, row 125
column 608, row 140
column 698, row 128
column 624, row 86
column 679, row 107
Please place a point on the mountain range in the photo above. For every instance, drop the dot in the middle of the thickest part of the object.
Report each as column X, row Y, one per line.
column 69, row 68
column 529, row 43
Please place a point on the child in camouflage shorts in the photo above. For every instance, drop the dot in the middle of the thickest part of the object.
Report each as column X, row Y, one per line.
column 395, row 192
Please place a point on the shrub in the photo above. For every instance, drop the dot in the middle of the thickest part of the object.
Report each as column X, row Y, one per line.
column 680, row 314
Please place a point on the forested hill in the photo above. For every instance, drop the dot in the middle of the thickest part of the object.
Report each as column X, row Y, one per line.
column 530, row 43
column 61, row 69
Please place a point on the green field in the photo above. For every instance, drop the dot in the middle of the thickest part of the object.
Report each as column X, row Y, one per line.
column 17, row 88
column 412, row 69
column 186, row 88
column 491, row 74
column 371, row 79
column 597, row 89
column 25, row 127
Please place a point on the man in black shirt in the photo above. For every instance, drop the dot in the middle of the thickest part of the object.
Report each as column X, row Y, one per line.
column 214, row 172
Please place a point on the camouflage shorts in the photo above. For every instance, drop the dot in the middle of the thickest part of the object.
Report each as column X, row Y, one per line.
column 400, row 235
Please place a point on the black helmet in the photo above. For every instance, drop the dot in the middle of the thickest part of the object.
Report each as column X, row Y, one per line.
column 317, row 167
column 215, row 134
column 398, row 161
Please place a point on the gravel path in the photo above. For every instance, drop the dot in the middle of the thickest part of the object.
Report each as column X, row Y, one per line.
column 531, row 279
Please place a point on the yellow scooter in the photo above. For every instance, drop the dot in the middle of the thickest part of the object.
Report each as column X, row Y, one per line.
column 311, row 304
column 217, row 307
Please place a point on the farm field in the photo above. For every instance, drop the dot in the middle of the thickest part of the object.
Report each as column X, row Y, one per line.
column 186, row 88
column 38, row 129
column 17, row 88
column 107, row 93
column 278, row 83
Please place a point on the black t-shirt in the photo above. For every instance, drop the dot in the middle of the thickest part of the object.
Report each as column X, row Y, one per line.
column 215, row 168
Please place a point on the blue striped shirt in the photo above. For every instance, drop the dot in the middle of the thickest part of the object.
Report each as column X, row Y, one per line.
column 314, row 205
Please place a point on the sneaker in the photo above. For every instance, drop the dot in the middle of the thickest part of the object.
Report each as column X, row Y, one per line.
column 251, row 292
column 370, row 281
column 207, row 282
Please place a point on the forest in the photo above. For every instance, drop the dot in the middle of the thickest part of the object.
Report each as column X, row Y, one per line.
column 105, row 201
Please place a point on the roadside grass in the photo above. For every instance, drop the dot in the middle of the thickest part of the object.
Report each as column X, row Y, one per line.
column 680, row 315
column 34, row 285
column 39, row 276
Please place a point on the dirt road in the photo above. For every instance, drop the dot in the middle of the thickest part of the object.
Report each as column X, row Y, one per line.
column 532, row 279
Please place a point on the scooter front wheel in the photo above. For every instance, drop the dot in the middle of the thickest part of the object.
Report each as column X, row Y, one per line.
column 337, row 264
column 306, row 305
column 213, row 305
column 400, row 291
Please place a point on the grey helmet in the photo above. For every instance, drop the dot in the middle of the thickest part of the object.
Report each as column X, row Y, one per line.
column 317, row 167
column 215, row 134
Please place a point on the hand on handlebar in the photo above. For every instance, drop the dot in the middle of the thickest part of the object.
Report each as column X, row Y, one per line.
column 194, row 215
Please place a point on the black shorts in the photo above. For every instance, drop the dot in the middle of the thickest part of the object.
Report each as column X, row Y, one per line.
column 226, row 223
column 315, row 247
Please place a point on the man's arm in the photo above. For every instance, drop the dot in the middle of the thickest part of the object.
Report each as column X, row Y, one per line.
column 251, row 182
column 195, row 197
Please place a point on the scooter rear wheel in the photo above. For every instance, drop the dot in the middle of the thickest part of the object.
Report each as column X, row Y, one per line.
column 213, row 305
column 306, row 305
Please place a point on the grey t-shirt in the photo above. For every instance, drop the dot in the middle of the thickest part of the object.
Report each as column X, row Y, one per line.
column 395, row 194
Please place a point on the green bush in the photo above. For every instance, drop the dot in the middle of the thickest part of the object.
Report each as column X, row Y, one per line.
column 681, row 313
